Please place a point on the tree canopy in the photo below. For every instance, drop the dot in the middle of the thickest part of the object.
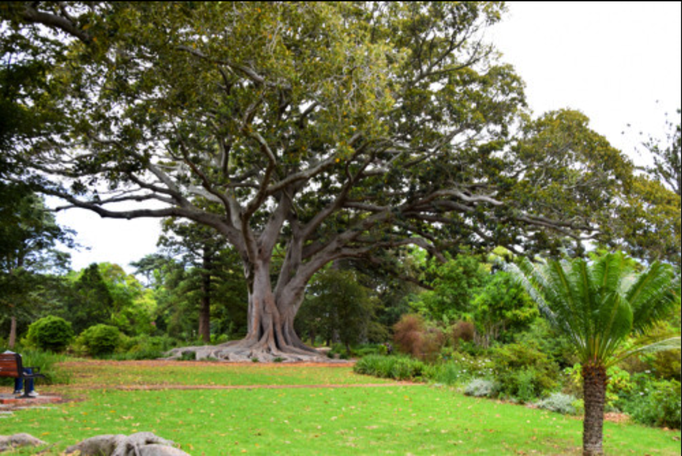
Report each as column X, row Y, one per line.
column 321, row 131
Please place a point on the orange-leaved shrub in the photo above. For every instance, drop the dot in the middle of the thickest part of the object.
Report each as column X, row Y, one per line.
column 414, row 336
column 463, row 331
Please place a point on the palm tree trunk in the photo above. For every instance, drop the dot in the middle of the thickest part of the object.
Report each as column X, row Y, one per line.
column 594, row 389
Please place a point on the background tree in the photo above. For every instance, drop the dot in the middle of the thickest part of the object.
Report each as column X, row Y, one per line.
column 454, row 285
column 210, row 265
column 339, row 308
column 29, row 236
column 598, row 306
column 502, row 308
column 91, row 302
column 667, row 167
column 332, row 131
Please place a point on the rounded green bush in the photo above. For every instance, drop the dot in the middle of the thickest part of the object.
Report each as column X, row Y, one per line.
column 50, row 333
column 100, row 339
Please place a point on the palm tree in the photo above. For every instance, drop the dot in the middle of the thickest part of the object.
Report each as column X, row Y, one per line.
column 599, row 305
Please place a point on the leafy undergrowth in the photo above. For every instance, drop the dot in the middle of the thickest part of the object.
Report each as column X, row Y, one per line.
column 402, row 420
column 109, row 374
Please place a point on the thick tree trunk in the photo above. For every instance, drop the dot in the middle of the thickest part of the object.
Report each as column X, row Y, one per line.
column 12, row 333
column 271, row 333
column 594, row 388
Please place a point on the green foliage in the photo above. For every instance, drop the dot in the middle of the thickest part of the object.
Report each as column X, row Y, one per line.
column 667, row 364
column 50, row 333
column 460, row 368
column 555, row 345
column 337, row 303
column 91, row 302
column 337, row 130
column 620, row 384
column 523, row 372
column 191, row 356
column 599, row 305
column 454, row 285
column 143, row 347
column 100, row 339
column 655, row 403
column 396, row 367
column 502, row 308
column 29, row 236
column 210, row 285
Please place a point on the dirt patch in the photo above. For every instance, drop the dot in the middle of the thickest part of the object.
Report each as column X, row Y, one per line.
column 235, row 387
column 169, row 363
column 616, row 417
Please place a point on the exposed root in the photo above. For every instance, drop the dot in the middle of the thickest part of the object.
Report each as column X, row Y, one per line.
column 250, row 350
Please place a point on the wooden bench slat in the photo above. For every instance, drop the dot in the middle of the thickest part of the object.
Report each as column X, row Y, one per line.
column 11, row 366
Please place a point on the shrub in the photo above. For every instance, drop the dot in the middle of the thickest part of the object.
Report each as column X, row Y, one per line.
column 524, row 372
column 189, row 356
column 667, row 364
column 413, row 336
column 369, row 349
column 407, row 334
column 50, row 333
column 463, row 331
column 655, row 403
column 145, row 343
column 217, row 339
column 449, row 374
column 480, row 387
column 560, row 403
column 100, row 339
column 396, row 367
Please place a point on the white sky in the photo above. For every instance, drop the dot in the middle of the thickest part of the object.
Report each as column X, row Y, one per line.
column 617, row 62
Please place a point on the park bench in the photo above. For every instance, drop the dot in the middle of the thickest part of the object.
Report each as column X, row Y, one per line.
column 11, row 366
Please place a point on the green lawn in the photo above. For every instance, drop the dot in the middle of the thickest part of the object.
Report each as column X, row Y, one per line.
column 400, row 420
column 199, row 373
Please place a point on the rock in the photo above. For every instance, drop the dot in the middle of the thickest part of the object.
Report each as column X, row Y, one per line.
column 161, row 450
column 133, row 444
column 140, row 444
column 18, row 440
column 100, row 444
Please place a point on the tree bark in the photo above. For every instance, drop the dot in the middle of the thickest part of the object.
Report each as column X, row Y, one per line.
column 594, row 389
column 205, row 309
column 271, row 331
column 12, row 333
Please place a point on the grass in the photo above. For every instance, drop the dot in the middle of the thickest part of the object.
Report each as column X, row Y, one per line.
column 109, row 374
column 417, row 420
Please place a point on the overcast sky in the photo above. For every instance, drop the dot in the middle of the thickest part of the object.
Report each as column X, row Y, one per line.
column 618, row 63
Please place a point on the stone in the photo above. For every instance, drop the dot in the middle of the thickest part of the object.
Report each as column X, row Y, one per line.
column 139, row 444
column 18, row 440
column 98, row 445
column 161, row 450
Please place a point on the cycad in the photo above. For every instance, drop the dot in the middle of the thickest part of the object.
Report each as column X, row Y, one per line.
column 598, row 306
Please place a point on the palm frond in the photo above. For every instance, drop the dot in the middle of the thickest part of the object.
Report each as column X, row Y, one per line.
column 672, row 343
column 652, row 295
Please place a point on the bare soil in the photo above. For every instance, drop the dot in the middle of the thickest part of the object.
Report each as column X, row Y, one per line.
column 172, row 363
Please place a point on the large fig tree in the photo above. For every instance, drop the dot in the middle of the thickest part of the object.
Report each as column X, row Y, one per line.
column 317, row 131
